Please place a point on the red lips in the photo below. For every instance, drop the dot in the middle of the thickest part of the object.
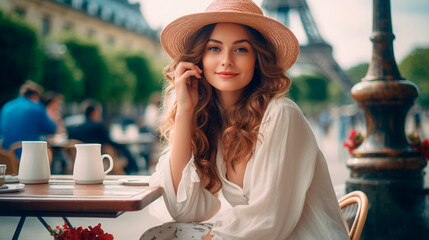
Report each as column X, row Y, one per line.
column 226, row 74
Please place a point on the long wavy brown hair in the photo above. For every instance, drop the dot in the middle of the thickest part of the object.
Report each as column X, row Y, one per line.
column 237, row 131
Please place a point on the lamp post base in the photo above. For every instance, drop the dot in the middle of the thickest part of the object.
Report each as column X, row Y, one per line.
column 395, row 211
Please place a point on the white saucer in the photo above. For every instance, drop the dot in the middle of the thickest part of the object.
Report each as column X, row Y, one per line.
column 12, row 188
column 135, row 181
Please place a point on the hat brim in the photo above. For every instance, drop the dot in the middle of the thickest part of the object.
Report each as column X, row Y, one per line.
column 175, row 34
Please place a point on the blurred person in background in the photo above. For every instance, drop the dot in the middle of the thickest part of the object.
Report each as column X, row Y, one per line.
column 152, row 112
column 25, row 118
column 54, row 104
column 58, row 141
column 92, row 130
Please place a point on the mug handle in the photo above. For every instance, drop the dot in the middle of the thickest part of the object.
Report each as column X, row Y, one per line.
column 110, row 163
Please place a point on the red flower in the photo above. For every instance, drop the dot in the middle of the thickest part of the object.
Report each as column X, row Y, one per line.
column 354, row 140
column 424, row 148
column 69, row 233
column 421, row 146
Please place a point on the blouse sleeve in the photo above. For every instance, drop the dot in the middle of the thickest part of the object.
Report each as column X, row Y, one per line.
column 193, row 203
column 282, row 171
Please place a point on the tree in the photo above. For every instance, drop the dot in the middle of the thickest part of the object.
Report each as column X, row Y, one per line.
column 146, row 83
column 314, row 92
column 415, row 68
column 358, row 72
column 19, row 55
column 95, row 72
column 120, row 82
column 64, row 76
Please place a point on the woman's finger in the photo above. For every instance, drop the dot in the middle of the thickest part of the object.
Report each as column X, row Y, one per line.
column 185, row 77
column 182, row 67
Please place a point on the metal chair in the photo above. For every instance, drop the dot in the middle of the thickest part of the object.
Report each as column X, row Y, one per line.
column 354, row 206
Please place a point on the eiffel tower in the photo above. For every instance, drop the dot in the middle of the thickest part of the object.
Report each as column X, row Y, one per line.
column 316, row 52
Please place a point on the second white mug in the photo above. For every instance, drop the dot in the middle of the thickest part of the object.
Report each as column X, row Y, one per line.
column 88, row 166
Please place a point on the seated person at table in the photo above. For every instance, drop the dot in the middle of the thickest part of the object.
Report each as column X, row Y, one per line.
column 54, row 104
column 230, row 128
column 25, row 118
column 94, row 131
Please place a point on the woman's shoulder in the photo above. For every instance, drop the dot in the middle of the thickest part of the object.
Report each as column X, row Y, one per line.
column 280, row 104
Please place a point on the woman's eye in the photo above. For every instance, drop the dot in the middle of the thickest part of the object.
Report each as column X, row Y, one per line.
column 213, row 49
column 240, row 50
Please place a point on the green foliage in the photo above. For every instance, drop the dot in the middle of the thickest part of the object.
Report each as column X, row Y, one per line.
column 294, row 92
column 317, row 88
column 95, row 72
column 64, row 76
column 415, row 68
column 120, row 82
column 146, row 83
column 83, row 71
column 357, row 72
column 313, row 92
column 18, row 55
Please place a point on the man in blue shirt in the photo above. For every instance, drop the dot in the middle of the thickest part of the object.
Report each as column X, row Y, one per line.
column 24, row 118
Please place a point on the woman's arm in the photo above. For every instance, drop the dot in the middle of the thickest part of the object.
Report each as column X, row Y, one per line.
column 208, row 237
column 184, row 194
column 186, row 86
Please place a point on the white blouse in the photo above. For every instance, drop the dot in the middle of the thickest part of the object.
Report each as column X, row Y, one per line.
column 287, row 191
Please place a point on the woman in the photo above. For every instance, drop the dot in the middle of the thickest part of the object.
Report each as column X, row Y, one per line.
column 230, row 128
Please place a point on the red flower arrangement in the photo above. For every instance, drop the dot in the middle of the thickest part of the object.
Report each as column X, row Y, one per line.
column 353, row 141
column 69, row 233
column 421, row 146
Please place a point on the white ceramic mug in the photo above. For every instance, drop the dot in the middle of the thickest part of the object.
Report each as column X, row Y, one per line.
column 34, row 165
column 88, row 165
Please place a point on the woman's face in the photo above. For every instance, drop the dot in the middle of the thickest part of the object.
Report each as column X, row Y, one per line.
column 229, row 58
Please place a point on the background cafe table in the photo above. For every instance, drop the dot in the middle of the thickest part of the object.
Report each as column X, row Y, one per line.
column 62, row 198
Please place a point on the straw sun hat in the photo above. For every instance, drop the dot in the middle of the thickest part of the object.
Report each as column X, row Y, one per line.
column 244, row 12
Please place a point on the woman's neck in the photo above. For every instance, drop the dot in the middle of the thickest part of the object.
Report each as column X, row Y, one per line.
column 228, row 99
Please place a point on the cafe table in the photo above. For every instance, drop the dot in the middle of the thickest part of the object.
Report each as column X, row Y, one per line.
column 61, row 197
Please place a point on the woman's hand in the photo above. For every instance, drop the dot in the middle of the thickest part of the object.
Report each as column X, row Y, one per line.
column 186, row 84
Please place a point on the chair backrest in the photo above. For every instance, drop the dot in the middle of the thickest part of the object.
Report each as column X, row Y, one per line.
column 354, row 206
column 70, row 151
column 11, row 160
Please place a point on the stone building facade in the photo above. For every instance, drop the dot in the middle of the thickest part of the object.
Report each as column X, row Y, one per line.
column 115, row 24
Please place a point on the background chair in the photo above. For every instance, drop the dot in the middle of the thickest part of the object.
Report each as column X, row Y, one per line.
column 9, row 158
column 354, row 206
column 70, row 153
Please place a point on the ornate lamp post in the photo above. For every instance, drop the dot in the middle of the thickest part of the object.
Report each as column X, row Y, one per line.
column 385, row 166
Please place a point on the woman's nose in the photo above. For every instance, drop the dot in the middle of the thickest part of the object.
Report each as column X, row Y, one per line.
column 227, row 59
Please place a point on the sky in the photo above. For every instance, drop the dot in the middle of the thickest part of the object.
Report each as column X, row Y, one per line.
column 344, row 24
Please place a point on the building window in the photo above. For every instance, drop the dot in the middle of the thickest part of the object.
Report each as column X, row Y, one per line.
column 46, row 26
column 106, row 14
column 77, row 4
column 92, row 8
column 118, row 19
column 20, row 11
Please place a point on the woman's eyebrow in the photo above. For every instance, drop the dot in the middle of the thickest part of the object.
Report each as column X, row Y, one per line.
column 241, row 41
column 235, row 42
